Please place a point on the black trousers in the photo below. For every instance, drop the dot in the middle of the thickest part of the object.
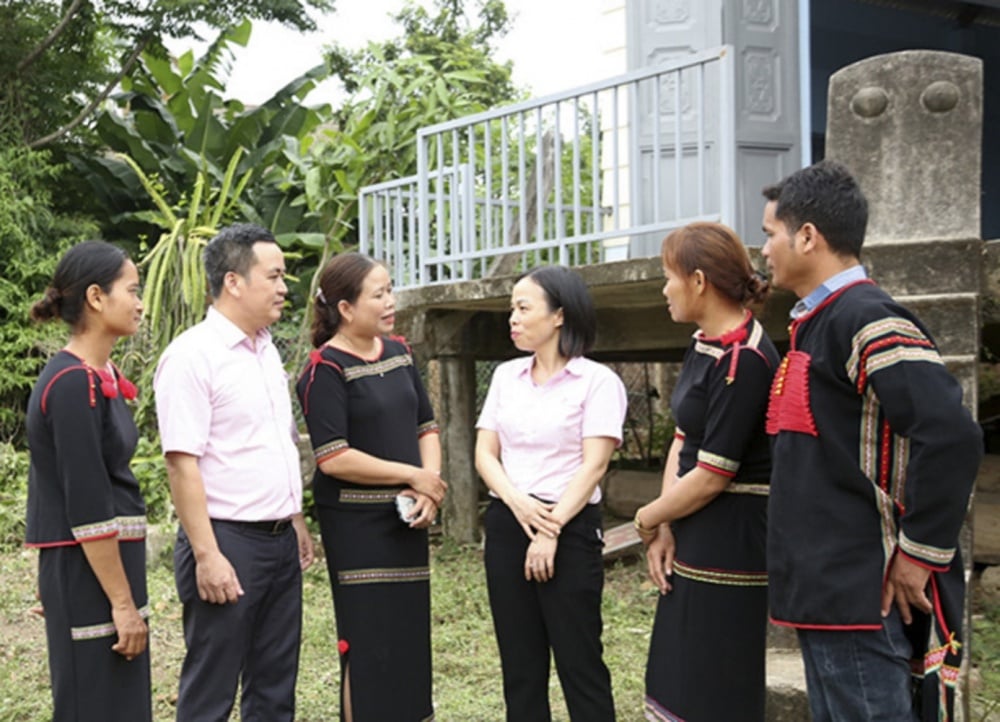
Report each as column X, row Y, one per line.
column 254, row 641
column 562, row 614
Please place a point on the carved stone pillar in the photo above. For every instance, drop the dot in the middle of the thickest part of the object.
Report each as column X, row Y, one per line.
column 909, row 126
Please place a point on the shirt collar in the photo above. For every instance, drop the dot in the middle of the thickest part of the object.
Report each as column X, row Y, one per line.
column 827, row 288
column 573, row 367
column 231, row 334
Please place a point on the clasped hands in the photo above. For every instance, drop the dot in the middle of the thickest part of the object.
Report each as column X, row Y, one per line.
column 542, row 528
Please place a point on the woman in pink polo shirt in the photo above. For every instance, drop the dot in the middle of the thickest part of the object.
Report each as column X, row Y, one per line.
column 548, row 428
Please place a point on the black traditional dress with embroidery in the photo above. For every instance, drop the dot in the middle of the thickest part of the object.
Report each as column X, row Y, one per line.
column 706, row 655
column 81, row 436
column 378, row 565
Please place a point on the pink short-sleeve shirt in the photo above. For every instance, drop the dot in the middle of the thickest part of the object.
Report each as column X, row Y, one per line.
column 542, row 428
column 226, row 400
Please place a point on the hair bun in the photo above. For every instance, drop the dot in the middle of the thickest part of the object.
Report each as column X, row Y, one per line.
column 48, row 306
column 758, row 287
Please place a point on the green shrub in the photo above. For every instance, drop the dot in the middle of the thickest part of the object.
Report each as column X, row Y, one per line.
column 151, row 472
column 13, row 494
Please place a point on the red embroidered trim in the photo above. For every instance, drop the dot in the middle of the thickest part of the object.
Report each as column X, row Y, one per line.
column 939, row 613
column 737, row 335
column 315, row 359
column 716, row 470
column 335, row 452
column 129, row 391
column 830, row 627
column 828, row 300
column 51, row 545
column 883, row 472
column 108, row 388
column 735, row 339
column 788, row 408
column 922, row 563
column 880, row 344
column 90, row 378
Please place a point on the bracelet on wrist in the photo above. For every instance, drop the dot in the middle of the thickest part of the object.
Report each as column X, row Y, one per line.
column 642, row 530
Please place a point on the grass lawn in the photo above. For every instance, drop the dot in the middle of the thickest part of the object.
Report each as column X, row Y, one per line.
column 467, row 681
column 467, row 686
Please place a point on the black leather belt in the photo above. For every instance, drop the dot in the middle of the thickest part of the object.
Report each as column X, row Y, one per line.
column 273, row 527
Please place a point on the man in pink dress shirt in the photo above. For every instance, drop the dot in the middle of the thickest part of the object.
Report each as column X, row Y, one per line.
column 228, row 435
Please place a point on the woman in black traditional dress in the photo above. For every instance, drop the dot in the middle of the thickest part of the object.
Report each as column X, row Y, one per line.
column 377, row 488
column 706, row 531
column 85, row 510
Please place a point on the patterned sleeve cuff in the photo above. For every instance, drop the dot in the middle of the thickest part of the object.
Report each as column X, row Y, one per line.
column 430, row 427
column 934, row 558
column 718, row 464
column 326, row 451
column 96, row 530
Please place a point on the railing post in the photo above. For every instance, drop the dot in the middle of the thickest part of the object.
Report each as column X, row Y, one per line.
column 423, row 214
column 363, row 222
column 727, row 137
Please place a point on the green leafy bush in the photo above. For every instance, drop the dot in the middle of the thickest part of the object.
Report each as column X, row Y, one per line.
column 32, row 238
column 13, row 494
column 151, row 472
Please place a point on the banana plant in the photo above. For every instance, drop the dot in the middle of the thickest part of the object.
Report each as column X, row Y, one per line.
column 175, row 287
column 173, row 118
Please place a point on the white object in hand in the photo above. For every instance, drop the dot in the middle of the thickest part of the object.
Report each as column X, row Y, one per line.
column 404, row 505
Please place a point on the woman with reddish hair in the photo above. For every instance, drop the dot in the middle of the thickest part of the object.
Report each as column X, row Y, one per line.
column 705, row 533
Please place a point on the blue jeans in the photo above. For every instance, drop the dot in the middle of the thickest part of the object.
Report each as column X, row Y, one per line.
column 857, row 676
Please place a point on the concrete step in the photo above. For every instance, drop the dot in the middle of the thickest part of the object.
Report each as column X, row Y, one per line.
column 986, row 527
column 786, row 687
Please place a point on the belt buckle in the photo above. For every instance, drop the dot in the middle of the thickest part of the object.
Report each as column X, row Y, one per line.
column 279, row 526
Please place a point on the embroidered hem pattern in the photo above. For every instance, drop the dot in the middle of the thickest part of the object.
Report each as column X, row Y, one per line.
column 104, row 629
column 383, row 575
column 721, row 576
column 368, row 496
column 124, row 527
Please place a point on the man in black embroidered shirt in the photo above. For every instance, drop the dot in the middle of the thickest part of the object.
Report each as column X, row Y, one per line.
column 874, row 461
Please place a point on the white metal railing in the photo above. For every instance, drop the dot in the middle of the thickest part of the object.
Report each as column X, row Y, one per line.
column 592, row 174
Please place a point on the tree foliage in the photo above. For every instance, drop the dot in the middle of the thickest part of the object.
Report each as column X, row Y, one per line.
column 60, row 60
column 175, row 289
column 440, row 68
column 174, row 121
column 32, row 238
